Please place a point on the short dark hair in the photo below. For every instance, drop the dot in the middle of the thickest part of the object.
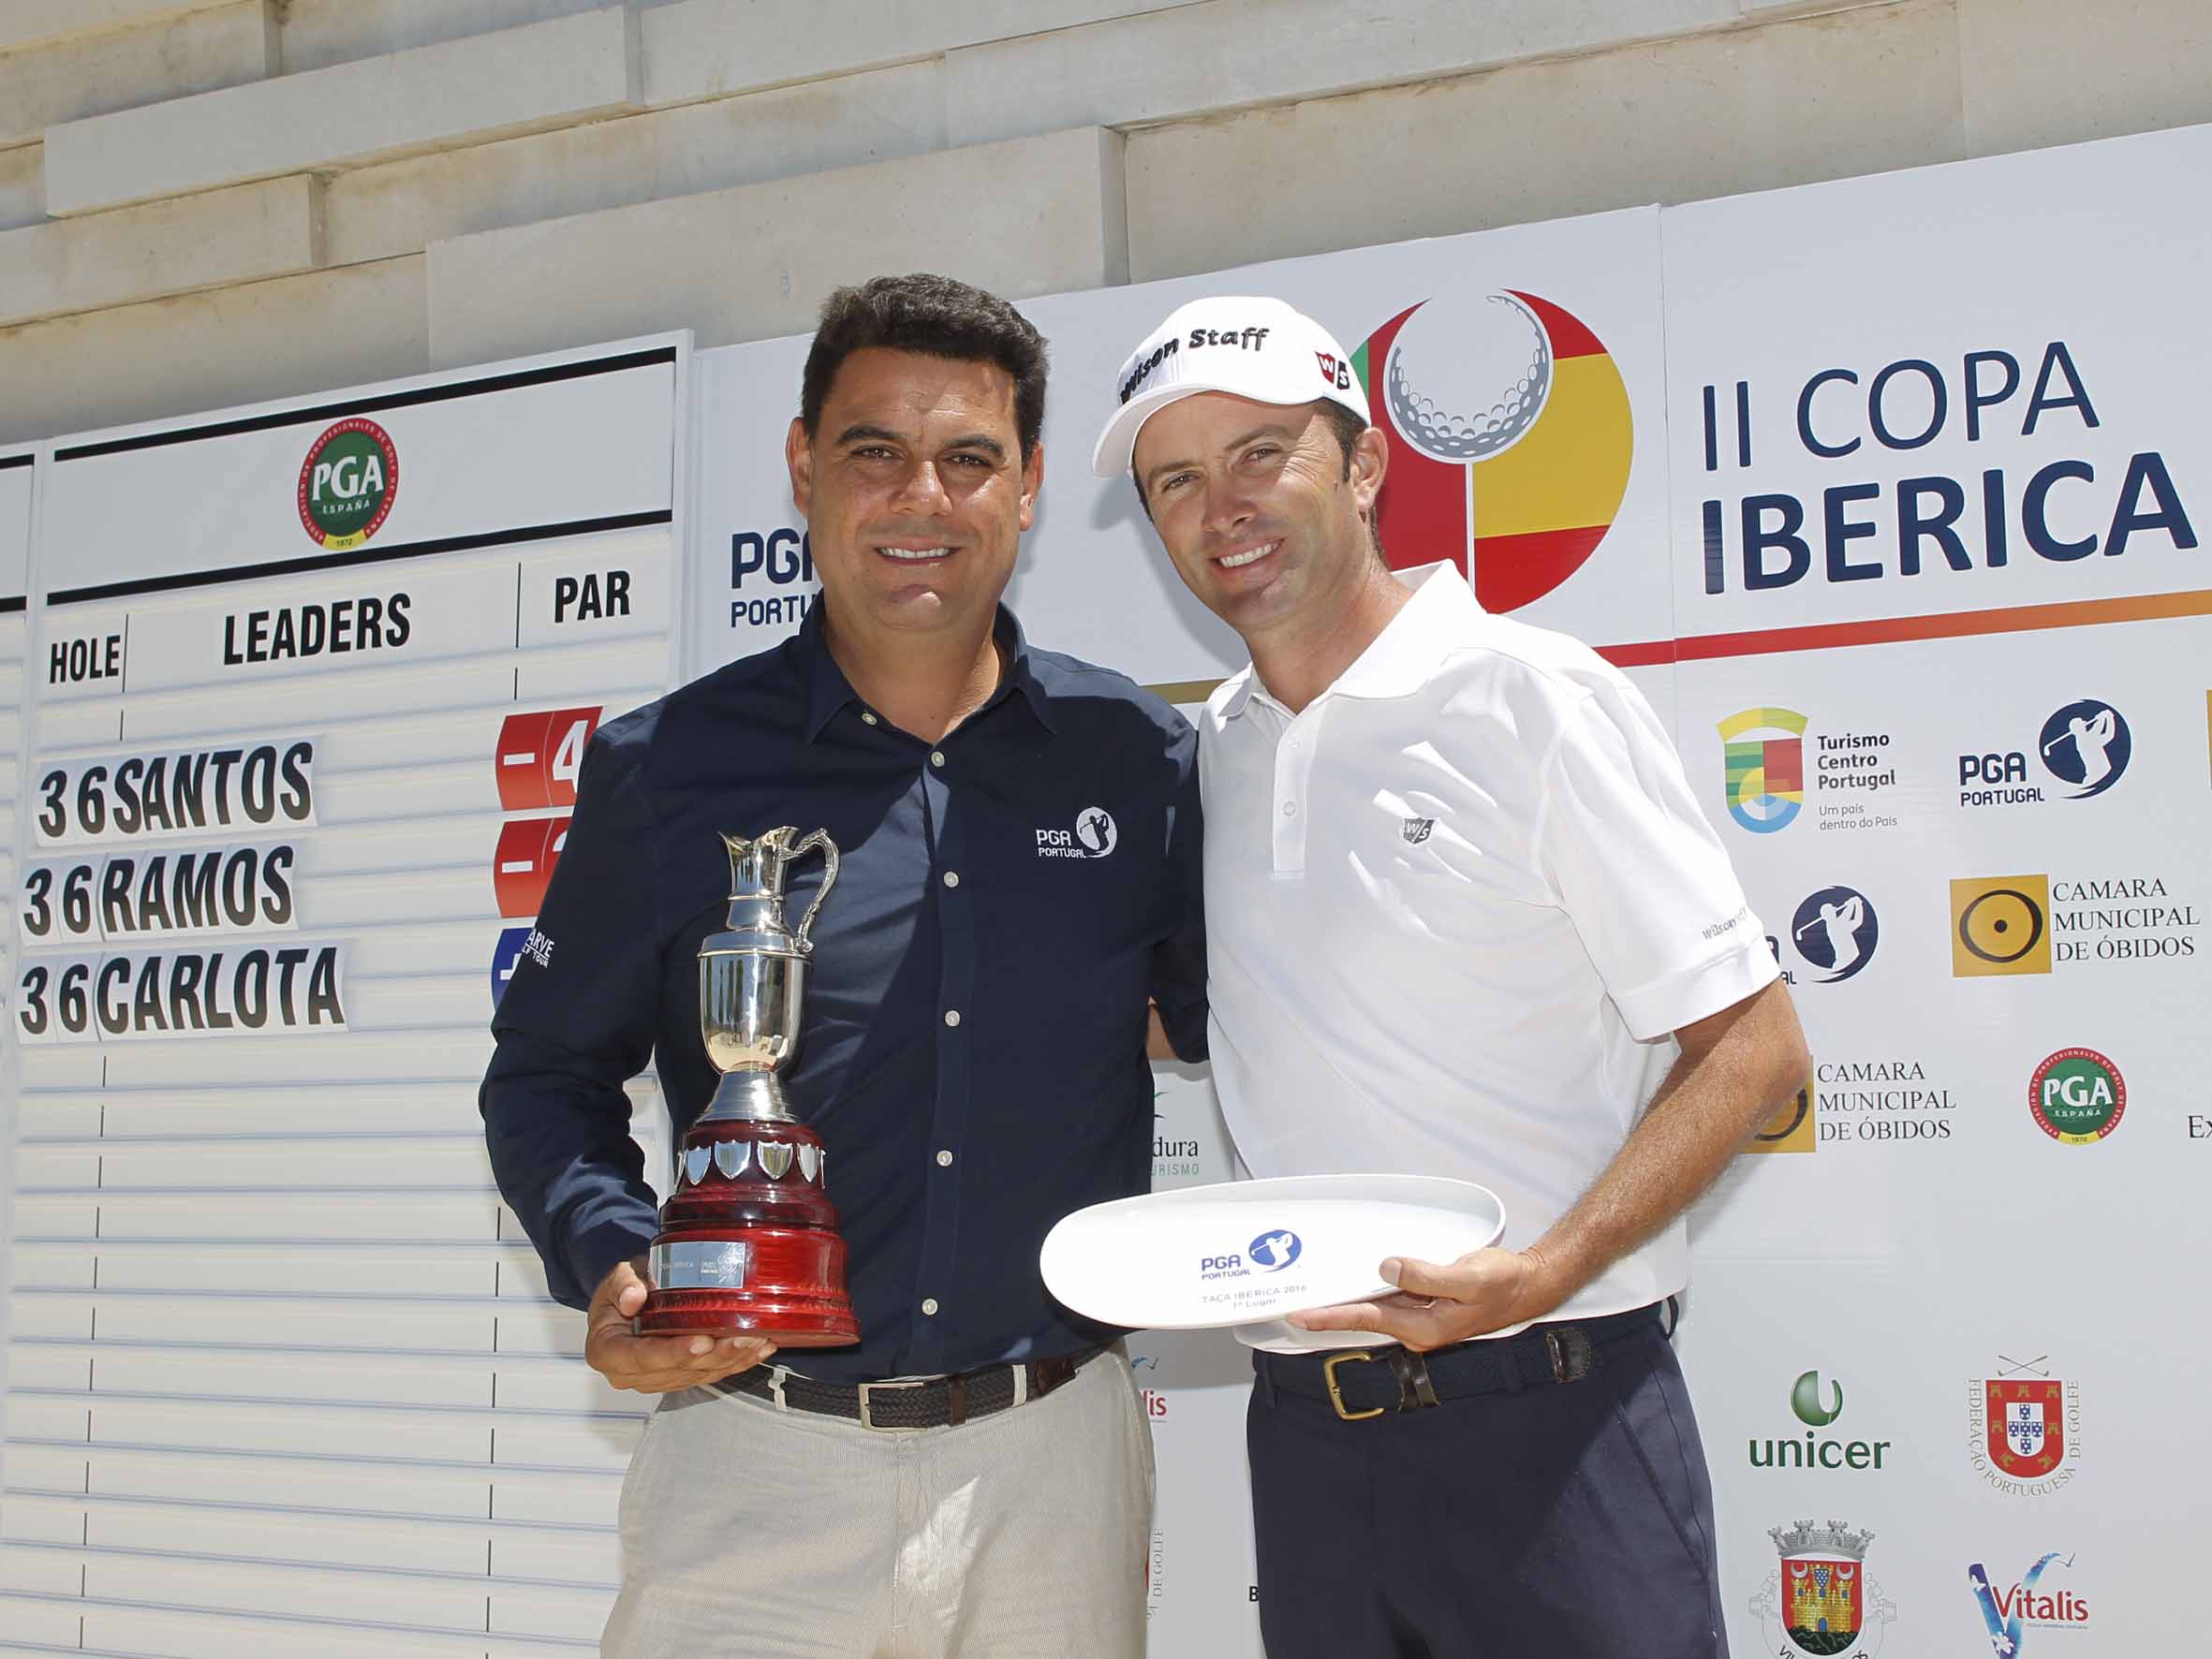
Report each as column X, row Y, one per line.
column 1348, row 426
column 936, row 316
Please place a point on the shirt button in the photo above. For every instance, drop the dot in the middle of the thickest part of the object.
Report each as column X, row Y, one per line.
column 951, row 878
column 951, row 1015
column 944, row 1160
column 936, row 757
column 1289, row 809
column 868, row 717
column 929, row 1304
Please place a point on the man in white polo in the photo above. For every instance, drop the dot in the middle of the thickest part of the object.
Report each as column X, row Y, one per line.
column 1464, row 918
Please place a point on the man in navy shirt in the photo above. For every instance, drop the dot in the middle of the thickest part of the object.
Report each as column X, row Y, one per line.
column 973, row 1053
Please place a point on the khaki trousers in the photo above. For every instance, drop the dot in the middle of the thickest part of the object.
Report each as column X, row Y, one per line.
column 753, row 1534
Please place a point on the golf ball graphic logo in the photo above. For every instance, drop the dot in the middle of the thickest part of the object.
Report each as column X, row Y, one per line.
column 1492, row 361
column 1510, row 439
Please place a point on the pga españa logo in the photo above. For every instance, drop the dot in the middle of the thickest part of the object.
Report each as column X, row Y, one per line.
column 347, row 484
column 2078, row 1096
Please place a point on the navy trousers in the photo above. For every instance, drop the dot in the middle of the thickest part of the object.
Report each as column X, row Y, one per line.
column 1537, row 1519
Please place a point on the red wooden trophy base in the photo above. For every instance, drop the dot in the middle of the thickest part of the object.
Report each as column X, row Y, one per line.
column 749, row 1244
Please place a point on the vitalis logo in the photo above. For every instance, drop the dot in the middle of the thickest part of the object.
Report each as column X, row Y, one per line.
column 1511, row 438
column 2024, row 1427
column 1819, row 1600
column 2086, row 746
column 1836, row 930
column 1156, row 1399
column 347, row 484
column 1093, row 837
column 2009, row 1614
column 1812, row 1450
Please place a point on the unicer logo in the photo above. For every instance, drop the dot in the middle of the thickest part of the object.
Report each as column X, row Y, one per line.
column 1094, row 836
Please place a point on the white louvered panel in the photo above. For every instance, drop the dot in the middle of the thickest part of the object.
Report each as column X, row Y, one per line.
column 124, row 1631
column 332, row 1481
column 416, row 1543
column 32, row 1316
column 50, row 1367
column 66, row 727
column 447, row 1163
column 433, row 690
column 218, row 1366
column 280, row 1109
column 456, row 1378
column 474, row 1270
column 56, row 1117
column 331, row 1215
column 55, row 1218
column 438, row 1435
column 337, row 1322
column 58, row 1066
column 452, row 1056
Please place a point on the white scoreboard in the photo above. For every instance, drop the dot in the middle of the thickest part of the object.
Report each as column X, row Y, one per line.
column 305, row 705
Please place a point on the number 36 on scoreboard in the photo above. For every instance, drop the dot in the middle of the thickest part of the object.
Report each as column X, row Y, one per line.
column 539, row 757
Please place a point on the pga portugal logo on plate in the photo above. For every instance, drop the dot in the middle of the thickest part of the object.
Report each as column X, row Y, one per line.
column 1270, row 1252
column 347, row 484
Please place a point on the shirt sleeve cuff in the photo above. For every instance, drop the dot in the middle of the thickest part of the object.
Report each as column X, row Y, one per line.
column 1185, row 1022
column 1652, row 1011
column 592, row 1254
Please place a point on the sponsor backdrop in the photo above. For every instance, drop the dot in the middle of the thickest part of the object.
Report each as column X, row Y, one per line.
column 1891, row 506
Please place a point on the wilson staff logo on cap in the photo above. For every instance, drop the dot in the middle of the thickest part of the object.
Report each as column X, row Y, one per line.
column 1251, row 346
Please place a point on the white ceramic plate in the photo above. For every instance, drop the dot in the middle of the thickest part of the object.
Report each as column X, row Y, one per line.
column 1247, row 1252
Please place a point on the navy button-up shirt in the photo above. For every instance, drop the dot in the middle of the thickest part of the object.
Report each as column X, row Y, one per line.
column 972, row 1052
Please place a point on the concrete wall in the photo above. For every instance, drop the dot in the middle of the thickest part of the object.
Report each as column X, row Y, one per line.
column 208, row 200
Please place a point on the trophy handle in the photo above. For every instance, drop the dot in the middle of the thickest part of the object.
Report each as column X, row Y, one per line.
column 820, row 838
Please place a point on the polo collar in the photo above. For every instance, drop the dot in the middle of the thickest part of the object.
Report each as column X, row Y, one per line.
column 828, row 691
column 1399, row 660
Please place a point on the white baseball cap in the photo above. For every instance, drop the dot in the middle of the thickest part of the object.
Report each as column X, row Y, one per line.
column 1255, row 348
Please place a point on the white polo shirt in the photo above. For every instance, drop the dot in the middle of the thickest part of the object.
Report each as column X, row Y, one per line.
column 1455, row 909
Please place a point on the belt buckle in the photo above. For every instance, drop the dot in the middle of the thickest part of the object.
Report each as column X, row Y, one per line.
column 1570, row 1352
column 867, row 1418
column 1335, row 1398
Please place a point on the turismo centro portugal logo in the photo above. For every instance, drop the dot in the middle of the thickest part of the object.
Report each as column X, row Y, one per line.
column 1763, row 753
column 347, row 484
column 1510, row 437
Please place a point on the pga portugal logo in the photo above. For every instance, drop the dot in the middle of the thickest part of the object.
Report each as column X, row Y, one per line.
column 1094, row 836
column 347, row 484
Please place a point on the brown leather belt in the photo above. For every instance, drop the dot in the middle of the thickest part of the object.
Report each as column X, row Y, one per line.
column 912, row 1402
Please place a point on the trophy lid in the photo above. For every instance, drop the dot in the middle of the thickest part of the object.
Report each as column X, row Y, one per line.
column 758, row 868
